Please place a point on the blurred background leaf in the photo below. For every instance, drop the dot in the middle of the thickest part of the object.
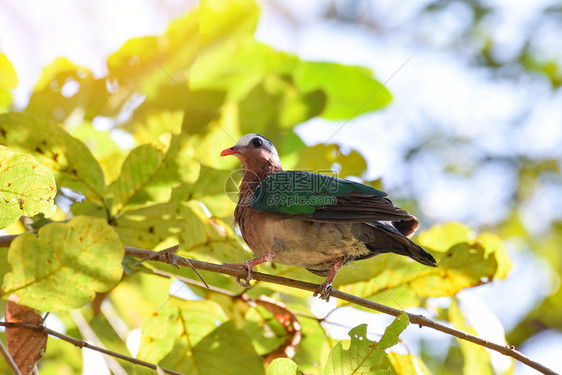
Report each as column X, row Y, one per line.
column 64, row 265
column 27, row 187
column 8, row 81
column 471, row 136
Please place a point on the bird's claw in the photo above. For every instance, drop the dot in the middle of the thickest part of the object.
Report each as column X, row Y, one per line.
column 242, row 282
column 324, row 292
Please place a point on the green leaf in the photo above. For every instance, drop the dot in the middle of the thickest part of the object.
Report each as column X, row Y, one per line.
column 51, row 100
column 216, row 188
column 185, row 221
column 184, row 337
column 208, row 237
column 69, row 159
column 208, row 146
column 10, row 211
column 178, row 324
column 146, row 227
column 283, row 366
column 104, row 148
column 442, row 237
column 477, row 360
column 8, row 80
column 26, row 188
column 210, row 240
column 4, row 269
column 388, row 278
column 146, row 175
column 226, row 350
column 407, row 364
column 322, row 158
column 89, row 208
column 282, row 105
column 266, row 333
column 201, row 237
column 64, row 265
column 146, row 64
column 8, row 76
column 249, row 63
column 494, row 245
column 150, row 123
column 364, row 355
column 197, row 121
column 143, row 291
column 226, row 34
column 157, row 67
column 350, row 91
column 227, row 19
column 153, row 66
column 314, row 345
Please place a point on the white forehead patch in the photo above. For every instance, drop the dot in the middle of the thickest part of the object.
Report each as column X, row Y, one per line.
column 246, row 139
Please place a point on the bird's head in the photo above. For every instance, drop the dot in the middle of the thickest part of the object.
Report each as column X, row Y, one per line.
column 255, row 152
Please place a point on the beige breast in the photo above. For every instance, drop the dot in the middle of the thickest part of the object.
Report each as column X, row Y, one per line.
column 302, row 243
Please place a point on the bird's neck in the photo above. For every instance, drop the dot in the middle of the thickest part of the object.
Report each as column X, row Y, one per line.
column 253, row 174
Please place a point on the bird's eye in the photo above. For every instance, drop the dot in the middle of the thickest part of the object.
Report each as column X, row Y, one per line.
column 257, row 142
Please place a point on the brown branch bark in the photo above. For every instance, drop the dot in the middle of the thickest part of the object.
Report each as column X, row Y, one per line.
column 89, row 335
column 420, row 320
column 83, row 344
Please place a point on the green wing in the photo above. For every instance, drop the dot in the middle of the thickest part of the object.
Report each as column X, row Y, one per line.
column 317, row 197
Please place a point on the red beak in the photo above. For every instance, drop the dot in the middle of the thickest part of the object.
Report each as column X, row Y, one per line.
column 230, row 151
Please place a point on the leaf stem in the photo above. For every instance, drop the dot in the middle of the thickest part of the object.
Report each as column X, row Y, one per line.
column 84, row 344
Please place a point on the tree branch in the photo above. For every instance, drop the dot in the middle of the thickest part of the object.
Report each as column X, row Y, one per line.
column 88, row 334
column 7, row 240
column 9, row 360
column 84, row 344
column 419, row 320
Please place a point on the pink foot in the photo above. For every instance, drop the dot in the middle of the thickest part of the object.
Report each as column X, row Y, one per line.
column 326, row 288
column 249, row 268
column 324, row 291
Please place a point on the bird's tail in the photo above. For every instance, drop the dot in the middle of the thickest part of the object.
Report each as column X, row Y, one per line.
column 417, row 253
column 381, row 237
column 407, row 227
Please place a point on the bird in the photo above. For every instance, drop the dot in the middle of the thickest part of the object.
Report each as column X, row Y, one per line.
column 311, row 220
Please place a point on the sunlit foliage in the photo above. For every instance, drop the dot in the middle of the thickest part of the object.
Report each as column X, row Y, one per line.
column 179, row 98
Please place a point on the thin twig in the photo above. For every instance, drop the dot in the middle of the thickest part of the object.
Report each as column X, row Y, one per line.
column 419, row 320
column 88, row 334
column 7, row 240
column 169, row 259
column 194, row 283
column 84, row 344
column 228, row 293
column 416, row 319
column 9, row 360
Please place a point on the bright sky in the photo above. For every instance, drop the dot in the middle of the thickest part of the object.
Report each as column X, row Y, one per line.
column 426, row 81
column 461, row 102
